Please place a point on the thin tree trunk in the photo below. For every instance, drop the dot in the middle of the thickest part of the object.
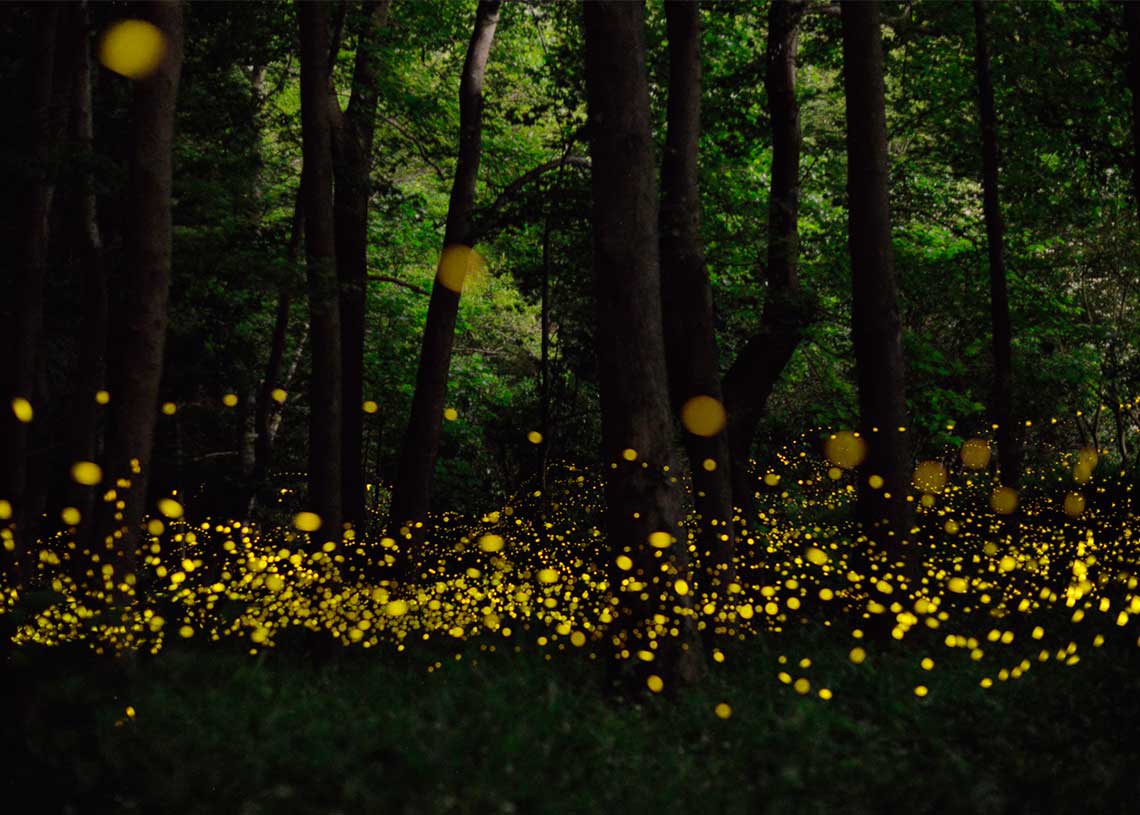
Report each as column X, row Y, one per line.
column 875, row 314
column 325, row 405
column 750, row 380
column 92, row 363
column 686, row 298
column 1132, row 23
column 23, row 336
column 411, row 497
column 643, row 503
column 1002, row 395
column 352, row 150
column 134, row 404
column 271, row 381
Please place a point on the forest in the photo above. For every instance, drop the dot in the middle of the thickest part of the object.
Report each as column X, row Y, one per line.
column 470, row 406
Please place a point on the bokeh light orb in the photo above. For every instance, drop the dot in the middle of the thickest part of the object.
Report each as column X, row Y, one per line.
column 132, row 48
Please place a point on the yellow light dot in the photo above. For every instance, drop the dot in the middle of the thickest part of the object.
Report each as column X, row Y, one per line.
column 876, row 482
column 86, row 473
column 130, row 712
column 155, row 527
column 958, row 585
column 825, row 694
column 396, row 608
column 951, row 527
column 660, row 540
column 857, row 655
column 259, row 634
column 624, row 563
column 23, row 409
column 975, row 454
column 1074, row 504
column 835, row 473
column 169, row 408
column 459, row 266
column 927, row 663
column 534, row 437
column 655, row 683
column 491, row 543
column 920, row 691
column 274, row 582
column 307, row 521
column 230, row 400
column 929, row 476
column 801, row 686
column 703, row 416
column 816, row 556
column 681, row 587
column 547, row 576
column 771, row 479
column 709, row 464
column 170, row 508
column 577, row 639
column 278, row 395
column 451, row 414
column 629, row 454
column 845, row 449
column 186, row 632
column 102, row 397
column 723, row 710
column 369, row 406
column 132, row 48
column 1004, row 500
column 70, row 516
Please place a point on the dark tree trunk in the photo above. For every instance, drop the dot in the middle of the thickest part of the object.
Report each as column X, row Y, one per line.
column 352, row 150
column 750, row 380
column 686, row 299
column 90, row 375
column 1132, row 22
column 134, row 402
column 1001, row 398
column 876, row 329
column 325, row 405
column 642, row 500
column 24, row 328
column 411, row 496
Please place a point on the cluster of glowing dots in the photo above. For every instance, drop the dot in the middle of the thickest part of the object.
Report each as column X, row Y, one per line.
column 1059, row 566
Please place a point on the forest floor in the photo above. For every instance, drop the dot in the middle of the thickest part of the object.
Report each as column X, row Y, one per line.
column 257, row 670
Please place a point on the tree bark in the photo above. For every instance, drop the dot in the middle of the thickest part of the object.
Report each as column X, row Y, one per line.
column 24, row 332
column 1001, row 398
column 325, row 399
column 642, row 499
column 686, row 298
column 1132, row 23
column 411, row 496
column 352, row 150
column 883, row 511
column 753, row 375
column 147, row 244
column 90, row 375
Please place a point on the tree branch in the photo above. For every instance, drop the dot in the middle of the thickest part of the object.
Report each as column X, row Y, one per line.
column 383, row 278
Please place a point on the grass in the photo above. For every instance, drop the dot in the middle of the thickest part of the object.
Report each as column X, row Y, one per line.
column 476, row 731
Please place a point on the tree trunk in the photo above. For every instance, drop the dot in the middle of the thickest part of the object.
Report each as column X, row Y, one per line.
column 325, row 405
column 90, row 375
column 643, row 502
column 147, row 244
column 876, row 330
column 750, row 380
column 686, row 299
column 23, row 336
column 1132, row 23
column 266, row 405
column 411, row 496
column 352, row 150
column 1002, row 394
